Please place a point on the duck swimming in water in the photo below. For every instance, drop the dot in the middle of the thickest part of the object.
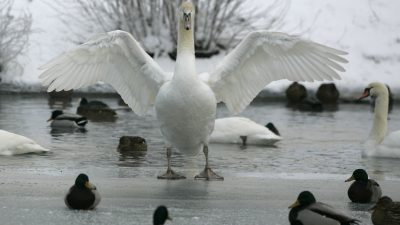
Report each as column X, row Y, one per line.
column 59, row 119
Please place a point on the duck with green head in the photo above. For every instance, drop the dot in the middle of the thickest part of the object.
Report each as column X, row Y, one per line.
column 161, row 215
column 83, row 194
column 307, row 211
column 363, row 190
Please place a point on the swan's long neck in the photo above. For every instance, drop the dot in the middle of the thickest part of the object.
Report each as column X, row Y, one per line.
column 185, row 38
column 185, row 58
column 379, row 127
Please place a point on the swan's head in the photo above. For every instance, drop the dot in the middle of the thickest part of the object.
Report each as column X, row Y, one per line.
column 186, row 15
column 375, row 89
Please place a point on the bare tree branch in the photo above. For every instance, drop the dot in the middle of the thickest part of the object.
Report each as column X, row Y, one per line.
column 219, row 24
column 14, row 34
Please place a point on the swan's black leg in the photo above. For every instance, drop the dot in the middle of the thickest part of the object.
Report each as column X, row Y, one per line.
column 170, row 174
column 207, row 173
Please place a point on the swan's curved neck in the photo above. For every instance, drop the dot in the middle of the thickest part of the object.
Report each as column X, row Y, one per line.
column 379, row 127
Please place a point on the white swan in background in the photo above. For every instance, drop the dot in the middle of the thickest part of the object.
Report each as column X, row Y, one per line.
column 241, row 130
column 186, row 105
column 379, row 144
column 14, row 144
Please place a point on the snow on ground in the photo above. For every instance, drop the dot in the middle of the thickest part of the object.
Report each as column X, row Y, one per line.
column 367, row 29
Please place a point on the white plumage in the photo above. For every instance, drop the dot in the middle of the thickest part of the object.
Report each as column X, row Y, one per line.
column 14, row 144
column 185, row 104
column 234, row 129
column 379, row 143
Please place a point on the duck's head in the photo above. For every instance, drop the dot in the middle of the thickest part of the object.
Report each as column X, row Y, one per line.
column 83, row 101
column 358, row 175
column 82, row 181
column 375, row 89
column 382, row 203
column 160, row 215
column 305, row 198
column 54, row 115
column 186, row 15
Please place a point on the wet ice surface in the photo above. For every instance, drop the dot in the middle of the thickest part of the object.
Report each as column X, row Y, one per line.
column 318, row 152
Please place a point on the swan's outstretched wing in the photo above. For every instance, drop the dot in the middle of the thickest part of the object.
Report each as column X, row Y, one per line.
column 115, row 58
column 263, row 57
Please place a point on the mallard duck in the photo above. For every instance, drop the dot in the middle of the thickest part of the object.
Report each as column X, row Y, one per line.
column 94, row 107
column 379, row 143
column 186, row 103
column 161, row 215
column 306, row 211
column 132, row 143
column 83, row 194
column 386, row 212
column 15, row 144
column 296, row 93
column 328, row 93
column 363, row 190
column 59, row 119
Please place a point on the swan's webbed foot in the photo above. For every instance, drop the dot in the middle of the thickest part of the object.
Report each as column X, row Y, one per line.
column 208, row 174
column 171, row 175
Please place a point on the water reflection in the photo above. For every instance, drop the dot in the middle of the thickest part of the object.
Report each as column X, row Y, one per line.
column 365, row 207
column 59, row 131
column 132, row 159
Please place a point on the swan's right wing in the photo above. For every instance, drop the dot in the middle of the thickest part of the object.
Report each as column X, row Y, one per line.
column 263, row 57
column 115, row 58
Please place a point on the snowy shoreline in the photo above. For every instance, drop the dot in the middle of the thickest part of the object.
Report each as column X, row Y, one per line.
column 367, row 30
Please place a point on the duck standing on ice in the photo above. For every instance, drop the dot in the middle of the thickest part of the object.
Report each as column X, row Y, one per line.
column 185, row 104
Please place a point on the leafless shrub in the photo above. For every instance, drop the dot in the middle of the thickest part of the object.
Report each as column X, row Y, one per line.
column 219, row 23
column 14, row 35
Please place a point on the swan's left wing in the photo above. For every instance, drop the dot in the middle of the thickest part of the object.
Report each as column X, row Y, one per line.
column 263, row 57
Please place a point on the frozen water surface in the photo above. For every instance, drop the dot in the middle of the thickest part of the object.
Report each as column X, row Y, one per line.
column 318, row 152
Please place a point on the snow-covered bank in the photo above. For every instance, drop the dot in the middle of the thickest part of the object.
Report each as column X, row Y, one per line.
column 368, row 30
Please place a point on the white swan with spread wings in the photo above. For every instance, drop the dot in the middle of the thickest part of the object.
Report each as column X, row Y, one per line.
column 185, row 104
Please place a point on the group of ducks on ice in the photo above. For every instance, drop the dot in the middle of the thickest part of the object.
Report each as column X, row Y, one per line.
column 305, row 210
column 185, row 103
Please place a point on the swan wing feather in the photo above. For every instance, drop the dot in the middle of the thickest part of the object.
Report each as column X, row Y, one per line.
column 115, row 58
column 263, row 57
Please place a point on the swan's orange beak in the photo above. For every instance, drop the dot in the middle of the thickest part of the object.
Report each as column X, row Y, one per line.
column 365, row 94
